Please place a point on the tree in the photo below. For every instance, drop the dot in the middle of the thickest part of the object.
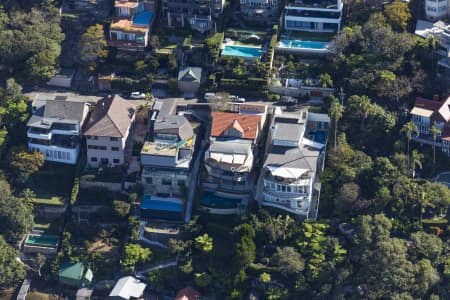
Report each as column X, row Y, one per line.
column 121, row 208
column 348, row 194
column 397, row 14
column 39, row 262
column 154, row 41
column 134, row 254
column 245, row 251
column 288, row 260
column 202, row 279
column 336, row 110
column 425, row 245
column 362, row 105
column 93, row 45
column 415, row 160
column 23, row 163
column 408, row 130
column 434, row 132
column 325, row 80
column 204, row 243
column 265, row 277
column 13, row 106
column 433, row 43
column 11, row 271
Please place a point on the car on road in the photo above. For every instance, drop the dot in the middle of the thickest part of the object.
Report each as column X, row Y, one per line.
column 234, row 98
column 211, row 96
column 137, row 95
column 241, row 100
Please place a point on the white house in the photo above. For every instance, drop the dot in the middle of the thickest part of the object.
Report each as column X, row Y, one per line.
column 313, row 16
column 437, row 9
column 295, row 158
column 55, row 128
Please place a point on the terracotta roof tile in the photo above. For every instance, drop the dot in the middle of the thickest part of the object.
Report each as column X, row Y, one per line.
column 221, row 121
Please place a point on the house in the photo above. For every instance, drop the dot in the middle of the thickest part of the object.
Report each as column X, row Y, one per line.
column 229, row 160
column 132, row 24
column 55, row 128
column 263, row 11
column 189, row 79
column 437, row 10
column 126, row 288
column 108, row 132
column 313, row 16
column 167, row 154
column 441, row 31
column 199, row 15
column 188, row 293
column 427, row 113
column 295, row 157
column 75, row 275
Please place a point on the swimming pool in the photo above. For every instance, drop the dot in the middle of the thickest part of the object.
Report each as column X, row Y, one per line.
column 210, row 200
column 319, row 136
column 143, row 19
column 242, row 51
column 153, row 204
column 42, row 240
column 316, row 45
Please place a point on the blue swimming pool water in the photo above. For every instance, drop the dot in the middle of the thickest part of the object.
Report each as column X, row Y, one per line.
column 143, row 18
column 211, row 200
column 319, row 136
column 304, row 44
column 148, row 203
column 242, row 51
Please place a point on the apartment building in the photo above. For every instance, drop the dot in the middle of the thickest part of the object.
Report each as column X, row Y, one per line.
column 108, row 132
column 263, row 11
column 437, row 9
column 427, row 113
column 197, row 14
column 131, row 26
column 55, row 128
column 167, row 154
column 228, row 176
column 313, row 16
column 296, row 154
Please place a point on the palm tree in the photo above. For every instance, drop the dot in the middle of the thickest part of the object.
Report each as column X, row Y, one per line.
column 336, row 110
column 434, row 132
column 433, row 43
column 408, row 130
column 416, row 160
column 363, row 105
column 325, row 80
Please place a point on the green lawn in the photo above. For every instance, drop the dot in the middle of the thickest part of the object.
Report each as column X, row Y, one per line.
column 52, row 184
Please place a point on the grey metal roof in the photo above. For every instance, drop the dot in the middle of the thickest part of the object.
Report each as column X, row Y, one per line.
column 166, row 107
column 190, row 74
column 303, row 158
column 232, row 147
column 64, row 110
column 179, row 123
column 288, row 131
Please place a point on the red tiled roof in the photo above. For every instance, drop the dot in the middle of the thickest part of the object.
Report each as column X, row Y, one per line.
column 222, row 121
column 188, row 293
column 441, row 108
column 427, row 104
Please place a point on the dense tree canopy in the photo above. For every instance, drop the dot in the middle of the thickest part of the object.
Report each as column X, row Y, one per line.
column 11, row 271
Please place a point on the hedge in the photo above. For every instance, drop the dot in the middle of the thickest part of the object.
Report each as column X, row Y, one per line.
column 129, row 84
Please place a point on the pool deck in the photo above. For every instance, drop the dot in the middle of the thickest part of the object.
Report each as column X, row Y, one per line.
column 282, row 48
column 234, row 43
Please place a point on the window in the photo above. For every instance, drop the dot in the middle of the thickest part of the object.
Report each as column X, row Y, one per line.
column 114, row 148
column 114, row 139
column 92, row 147
column 288, row 189
column 102, row 147
column 88, row 137
column 116, row 161
column 94, row 159
column 149, row 180
column 181, row 183
column 166, row 181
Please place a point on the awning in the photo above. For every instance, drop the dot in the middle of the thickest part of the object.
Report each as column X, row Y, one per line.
column 421, row 112
column 287, row 172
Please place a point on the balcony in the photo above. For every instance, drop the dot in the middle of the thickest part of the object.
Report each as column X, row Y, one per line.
column 38, row 133
column 239, row 177
column 297, row 211
column 324, row 4
column 285, row 195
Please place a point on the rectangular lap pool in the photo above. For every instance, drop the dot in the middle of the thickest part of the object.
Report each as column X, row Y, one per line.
column 242, row 51
column 312, row 45
column 160, row 209
column 42, row 240
column 210, row 200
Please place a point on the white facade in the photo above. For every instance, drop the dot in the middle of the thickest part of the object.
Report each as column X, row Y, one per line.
column 108, row 151
column 311, row 16
column 436, row 9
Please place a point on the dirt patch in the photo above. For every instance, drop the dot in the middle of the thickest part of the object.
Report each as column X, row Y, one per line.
column 101, row 247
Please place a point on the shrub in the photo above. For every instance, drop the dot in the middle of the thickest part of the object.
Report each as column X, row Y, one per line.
column 121, row 208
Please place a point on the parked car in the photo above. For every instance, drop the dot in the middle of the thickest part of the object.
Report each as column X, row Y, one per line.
column 137, row 95
column 241, row 100
column 211, row 96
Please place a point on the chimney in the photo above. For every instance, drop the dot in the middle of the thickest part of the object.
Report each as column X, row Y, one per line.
column 436, row 97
